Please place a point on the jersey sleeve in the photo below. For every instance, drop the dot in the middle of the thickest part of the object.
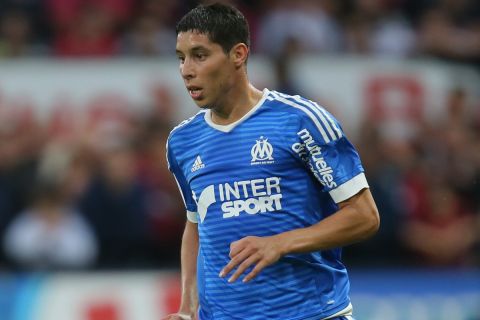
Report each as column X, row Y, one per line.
column 185, row 191
column 326, row 151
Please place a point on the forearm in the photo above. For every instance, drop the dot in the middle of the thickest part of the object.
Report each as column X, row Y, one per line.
column 356, row 220
column 352, row 223
column 189, row 252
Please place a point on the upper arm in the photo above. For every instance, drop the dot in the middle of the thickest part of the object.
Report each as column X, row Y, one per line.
column 326, row 151
column 364, row 205
column 183, row 186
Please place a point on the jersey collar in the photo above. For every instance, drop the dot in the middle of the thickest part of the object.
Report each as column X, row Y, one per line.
column 231, row 126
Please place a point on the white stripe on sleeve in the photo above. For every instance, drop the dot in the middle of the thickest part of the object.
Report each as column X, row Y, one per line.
column 323, row 116
column 334, row 125
column 307, row 111
column 192, row 216
column 349, row 188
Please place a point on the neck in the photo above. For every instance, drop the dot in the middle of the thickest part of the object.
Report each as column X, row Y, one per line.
column 238, row 101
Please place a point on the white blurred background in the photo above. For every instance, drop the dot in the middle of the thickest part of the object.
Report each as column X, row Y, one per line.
column 90, row 218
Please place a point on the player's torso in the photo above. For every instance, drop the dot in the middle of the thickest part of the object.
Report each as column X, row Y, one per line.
column 251, row 182
column 247, row 181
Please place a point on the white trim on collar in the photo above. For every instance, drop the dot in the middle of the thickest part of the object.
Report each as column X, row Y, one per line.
column 231, row 126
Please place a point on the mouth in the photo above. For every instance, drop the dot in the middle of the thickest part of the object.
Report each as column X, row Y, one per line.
column 195, row 92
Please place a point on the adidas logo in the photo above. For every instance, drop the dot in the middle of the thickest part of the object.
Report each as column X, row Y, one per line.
column 198, row 164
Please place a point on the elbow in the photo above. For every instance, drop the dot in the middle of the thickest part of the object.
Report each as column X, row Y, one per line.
column 365, row 214
column 371, row 222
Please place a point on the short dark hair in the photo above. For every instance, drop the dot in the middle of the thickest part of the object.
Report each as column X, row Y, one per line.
column 223, row 24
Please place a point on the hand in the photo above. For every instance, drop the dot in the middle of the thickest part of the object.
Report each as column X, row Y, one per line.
column 180, row 316
column 258, row 251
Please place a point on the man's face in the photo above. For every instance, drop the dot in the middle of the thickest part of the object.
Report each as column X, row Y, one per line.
column 205, row 68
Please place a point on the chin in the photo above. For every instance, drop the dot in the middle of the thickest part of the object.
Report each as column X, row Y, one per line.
column 203, row 105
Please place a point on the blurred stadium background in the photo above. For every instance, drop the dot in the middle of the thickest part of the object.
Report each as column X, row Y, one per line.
column 90, row 219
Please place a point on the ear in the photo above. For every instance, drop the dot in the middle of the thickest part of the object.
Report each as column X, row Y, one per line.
column 239, row 54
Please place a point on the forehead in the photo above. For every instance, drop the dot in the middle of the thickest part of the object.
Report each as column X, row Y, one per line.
column 193, row 39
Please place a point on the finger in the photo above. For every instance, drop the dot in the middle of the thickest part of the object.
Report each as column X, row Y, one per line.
column 255, row 271
column 243, row 266
column 236, row 260
column 237, row 247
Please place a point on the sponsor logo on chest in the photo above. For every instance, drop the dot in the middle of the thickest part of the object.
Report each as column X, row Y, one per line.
column 241, row 197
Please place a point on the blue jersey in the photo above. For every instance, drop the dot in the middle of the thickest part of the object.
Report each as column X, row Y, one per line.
column 284, row 165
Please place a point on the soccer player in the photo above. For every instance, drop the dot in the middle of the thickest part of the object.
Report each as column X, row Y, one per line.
column 272, row 187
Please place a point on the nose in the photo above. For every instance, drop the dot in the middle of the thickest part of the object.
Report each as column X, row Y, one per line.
column 187, row 70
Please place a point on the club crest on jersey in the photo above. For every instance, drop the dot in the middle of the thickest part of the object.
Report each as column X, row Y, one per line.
column 262, row 152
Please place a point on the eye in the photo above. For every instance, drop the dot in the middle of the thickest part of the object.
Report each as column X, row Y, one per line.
column 200, row 56
column 181, row 59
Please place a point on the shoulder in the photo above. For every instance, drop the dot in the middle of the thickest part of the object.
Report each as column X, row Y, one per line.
column 294, row 104
column 186, row 126
column 309, row 114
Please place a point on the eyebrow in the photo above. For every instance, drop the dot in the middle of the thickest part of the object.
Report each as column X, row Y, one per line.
column 194, row 49
column 199, row 48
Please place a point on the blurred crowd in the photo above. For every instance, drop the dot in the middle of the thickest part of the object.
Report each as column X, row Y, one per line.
column 97, row 197
column 448, row 29
column 427, row 188
column 102, row 197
